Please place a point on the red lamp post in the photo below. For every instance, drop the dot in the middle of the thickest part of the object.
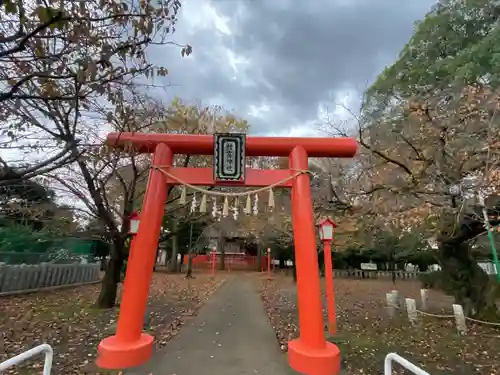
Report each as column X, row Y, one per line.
column 269, row 263
column 326, row 228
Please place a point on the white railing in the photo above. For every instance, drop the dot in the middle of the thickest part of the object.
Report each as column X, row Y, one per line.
column 393, row 357
column 44, row 348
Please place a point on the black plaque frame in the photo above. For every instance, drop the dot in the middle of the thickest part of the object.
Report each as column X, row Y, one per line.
column 239, row 143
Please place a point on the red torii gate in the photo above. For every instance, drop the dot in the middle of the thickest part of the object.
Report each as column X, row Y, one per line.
column 310, row 354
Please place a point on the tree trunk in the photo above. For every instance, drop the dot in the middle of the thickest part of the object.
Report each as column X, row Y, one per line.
column 175, row 249
column 189, row 271
column 112, row 276
column 181, row 263
column 103, row 264
column 461, row 276
column 294, row 267
column 259, row 258
column 156, row 258
column 465, row 280
column 222, row 249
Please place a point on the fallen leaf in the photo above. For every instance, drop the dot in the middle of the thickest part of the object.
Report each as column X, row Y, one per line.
column 68, row 321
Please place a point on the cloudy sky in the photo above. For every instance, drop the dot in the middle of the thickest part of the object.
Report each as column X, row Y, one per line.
column 280, row 63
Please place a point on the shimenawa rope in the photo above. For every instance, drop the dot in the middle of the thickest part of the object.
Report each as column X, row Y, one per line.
column 229, row 194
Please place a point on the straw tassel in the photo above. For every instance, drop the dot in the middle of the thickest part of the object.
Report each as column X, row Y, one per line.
column 183, row 199
column 225, row 208
column 256, row 205
column 203, row 204
column 214, row 207
column 248, row 205
column 193, row 203
column 236, row 208
column 270, row 202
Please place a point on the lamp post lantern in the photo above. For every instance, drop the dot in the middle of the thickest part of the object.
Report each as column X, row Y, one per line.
column 134, row 222
column 326, row 228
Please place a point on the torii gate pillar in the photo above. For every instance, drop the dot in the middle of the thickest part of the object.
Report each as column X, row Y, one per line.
column 310, row 354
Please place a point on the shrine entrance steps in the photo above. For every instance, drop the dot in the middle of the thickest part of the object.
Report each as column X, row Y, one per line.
column 230, row 335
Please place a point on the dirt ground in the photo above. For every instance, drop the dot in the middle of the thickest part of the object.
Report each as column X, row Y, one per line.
column 68, row 321
column 366, row 333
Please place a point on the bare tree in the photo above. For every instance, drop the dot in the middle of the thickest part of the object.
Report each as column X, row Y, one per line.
column 62, row 58
column 422, row 163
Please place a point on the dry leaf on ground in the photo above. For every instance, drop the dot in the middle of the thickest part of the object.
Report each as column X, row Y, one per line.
column 68, row 321
column 366, row 333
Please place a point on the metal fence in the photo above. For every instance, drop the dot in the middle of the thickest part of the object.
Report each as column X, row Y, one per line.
column 393, row 357
column 27, row 355
column 25, row 278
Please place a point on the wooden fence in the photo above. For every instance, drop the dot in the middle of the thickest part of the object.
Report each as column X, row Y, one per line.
column 23, row 278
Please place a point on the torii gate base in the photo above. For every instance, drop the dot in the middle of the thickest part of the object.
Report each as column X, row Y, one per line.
column 310, row 354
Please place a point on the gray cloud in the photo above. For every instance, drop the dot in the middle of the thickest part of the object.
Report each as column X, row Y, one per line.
column 275, row 62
